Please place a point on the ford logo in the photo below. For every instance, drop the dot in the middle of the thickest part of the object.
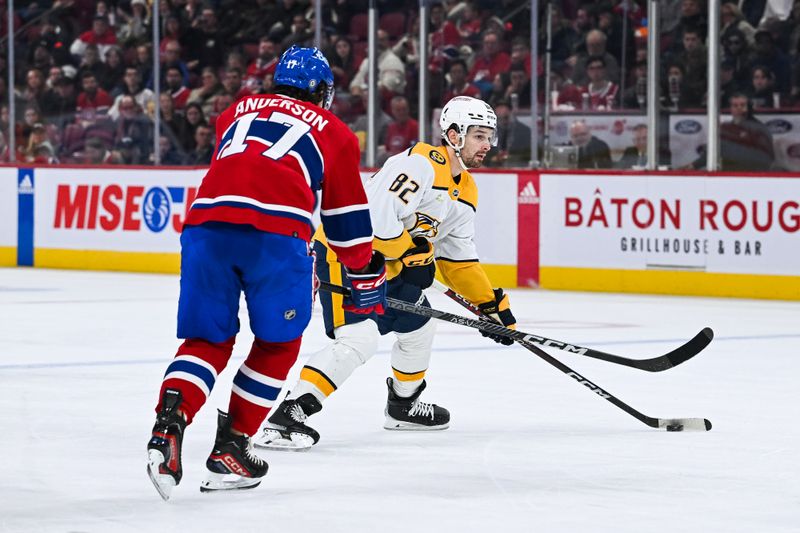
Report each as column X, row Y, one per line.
column 687, row 126
column 793, row 150
column 779, row 125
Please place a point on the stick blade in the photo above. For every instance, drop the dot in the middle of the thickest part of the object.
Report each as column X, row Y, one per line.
column 693, row 347
column 684, row 424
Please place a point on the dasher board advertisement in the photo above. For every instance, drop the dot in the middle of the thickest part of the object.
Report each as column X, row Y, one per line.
column 722, row 226
column 9, row 200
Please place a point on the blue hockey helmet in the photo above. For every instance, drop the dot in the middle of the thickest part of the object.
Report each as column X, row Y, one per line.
column 305, row 69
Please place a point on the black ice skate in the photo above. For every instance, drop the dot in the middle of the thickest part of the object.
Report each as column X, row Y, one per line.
column 410, row 414
column 286, row 429
column 164, row 447
column 232, row 463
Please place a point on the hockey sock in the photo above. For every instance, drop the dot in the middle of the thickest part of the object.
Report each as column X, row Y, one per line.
column 194, row 371
column 411, row 355
column 325, row 371
column 259, row 381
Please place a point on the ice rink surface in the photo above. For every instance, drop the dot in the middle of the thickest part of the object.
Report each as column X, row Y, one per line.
column 529, row 449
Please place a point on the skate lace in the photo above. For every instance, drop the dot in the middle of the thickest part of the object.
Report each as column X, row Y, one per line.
column 421, row 409
column 297, row 414
column 252, row 457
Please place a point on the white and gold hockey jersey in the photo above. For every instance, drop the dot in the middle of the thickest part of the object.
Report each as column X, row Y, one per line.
column 415, row 194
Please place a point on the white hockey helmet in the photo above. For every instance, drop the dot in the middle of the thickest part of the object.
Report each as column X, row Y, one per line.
column 463, row 112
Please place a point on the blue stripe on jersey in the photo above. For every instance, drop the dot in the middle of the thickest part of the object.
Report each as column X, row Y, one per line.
column 347, row 226
column 194, row 369
column 270, row 132
column 255, row 388
column 244, row 205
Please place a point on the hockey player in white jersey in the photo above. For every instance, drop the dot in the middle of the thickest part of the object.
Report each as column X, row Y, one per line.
column 422, row 205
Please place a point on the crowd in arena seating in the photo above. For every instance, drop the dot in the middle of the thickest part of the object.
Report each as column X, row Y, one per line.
column 84, row 70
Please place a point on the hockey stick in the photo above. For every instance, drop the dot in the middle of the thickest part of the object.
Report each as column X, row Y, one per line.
column 656, row 364
column 670, row 424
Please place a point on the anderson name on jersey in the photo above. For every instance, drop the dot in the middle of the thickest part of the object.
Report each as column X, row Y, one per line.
column 271, row 156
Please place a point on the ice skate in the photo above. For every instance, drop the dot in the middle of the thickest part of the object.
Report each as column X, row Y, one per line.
column 164, row 447
column 286, row 429
column 232, row 464
column 411, row 414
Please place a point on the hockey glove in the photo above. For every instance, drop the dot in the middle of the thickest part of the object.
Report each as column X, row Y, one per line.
column 367, row 289
column 500, row 311
column 419, row 267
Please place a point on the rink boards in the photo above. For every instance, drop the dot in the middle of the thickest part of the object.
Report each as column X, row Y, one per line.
column 667, row 233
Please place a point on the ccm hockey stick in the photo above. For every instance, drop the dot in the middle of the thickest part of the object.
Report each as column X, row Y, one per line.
column 670, row 424
column 656, row 364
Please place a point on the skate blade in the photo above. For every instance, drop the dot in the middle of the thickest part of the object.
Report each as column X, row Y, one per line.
column 225, row 482
column 273, row 439
column 163, row 483
column 397, row 425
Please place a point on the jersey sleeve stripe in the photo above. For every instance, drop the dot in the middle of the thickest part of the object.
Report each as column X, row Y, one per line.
column 343, row 210
column 348, row 226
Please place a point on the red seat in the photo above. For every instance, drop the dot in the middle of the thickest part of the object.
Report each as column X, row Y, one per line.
column 359, row 27
column 394, row 24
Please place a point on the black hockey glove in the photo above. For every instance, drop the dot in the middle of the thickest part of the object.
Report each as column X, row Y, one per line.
column 367, row 289
column 500, row 311
column 419, row 267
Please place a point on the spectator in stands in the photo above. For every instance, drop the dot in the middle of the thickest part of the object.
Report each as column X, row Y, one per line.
column 600, row 94
column 513, row 140
column 209, row 89
column 769, row 55
column 403, row 131
column 470, row 23
column 53, row 75
column 763, row 90
column 491, row 61
column 61, row 106
column 521, row 56
column 736, row 50
column 34, row 88
column 93, row 97
column 728, row 85
column 459, row 86
column 173, row 122
column 693, row 63
column 444, row 37
column 565, row 39
column 135, row 26
column 32, row 117
column 204, row 147
column 264, row 62
column 174, row 85
column 96, row 153
column 300, row 33
column 344, row 63
column 172, row 58
column 595, row 47
column 55, row 37
column 635, row 96
column 391, row 71
column 144, row 97
column 583, row 23
column 745, row 142
column 204, row 41
column 221, row 103
column 592, row 152
column 133, row 123
column 169, row 154
column 518, row 91
column 233, row 83
column 40, row 58
column 125, row 152
column 407, row 47
column 91, row 63
column 113, row 83
column 693, row 16
column 194, row 119
column 635, row 157
column 731, row 18
column 144, row 64
column 100, row 35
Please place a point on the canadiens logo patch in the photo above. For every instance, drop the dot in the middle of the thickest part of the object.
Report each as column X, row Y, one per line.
column 425, row 226
column 437, row 157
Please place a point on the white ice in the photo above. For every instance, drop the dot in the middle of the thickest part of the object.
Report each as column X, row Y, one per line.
column 529, row 449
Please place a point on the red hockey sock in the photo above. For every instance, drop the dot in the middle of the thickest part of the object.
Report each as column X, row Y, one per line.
column 259, row 381
column 194, row 372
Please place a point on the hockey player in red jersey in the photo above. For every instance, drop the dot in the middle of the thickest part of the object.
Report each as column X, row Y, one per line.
column 248, row 231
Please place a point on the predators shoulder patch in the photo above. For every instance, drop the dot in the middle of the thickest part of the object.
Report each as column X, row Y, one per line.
column 437, row 157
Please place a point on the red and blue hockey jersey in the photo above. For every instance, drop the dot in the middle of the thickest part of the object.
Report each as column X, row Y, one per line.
column 272, row 153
